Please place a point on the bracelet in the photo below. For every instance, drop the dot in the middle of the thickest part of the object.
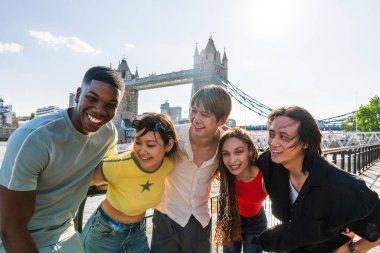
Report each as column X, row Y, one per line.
column 351, row 246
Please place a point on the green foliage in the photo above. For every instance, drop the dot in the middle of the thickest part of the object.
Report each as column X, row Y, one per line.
column 32, row 115
column 349, row 124
column 368, row 117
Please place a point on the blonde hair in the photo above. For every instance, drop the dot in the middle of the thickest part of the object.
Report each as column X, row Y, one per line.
column 214, row 99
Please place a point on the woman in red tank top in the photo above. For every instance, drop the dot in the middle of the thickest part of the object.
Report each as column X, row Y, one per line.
column 241, row 215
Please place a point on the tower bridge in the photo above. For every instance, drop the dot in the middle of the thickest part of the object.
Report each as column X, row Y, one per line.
column 209, row 67
column 154, row 81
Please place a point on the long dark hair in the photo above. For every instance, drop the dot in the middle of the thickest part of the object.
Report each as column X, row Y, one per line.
column 228, row 226
column 308, row 131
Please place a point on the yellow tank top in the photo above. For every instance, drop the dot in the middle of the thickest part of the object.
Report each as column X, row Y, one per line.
column 131, row 189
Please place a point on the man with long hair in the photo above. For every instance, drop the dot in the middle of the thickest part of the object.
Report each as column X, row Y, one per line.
column 316, row 201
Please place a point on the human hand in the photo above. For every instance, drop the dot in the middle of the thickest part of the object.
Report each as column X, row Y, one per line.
column 343, row 249
column 349, row 233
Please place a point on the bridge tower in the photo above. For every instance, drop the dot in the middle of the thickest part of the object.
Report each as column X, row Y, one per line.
column 209, row 66
column 128, row 107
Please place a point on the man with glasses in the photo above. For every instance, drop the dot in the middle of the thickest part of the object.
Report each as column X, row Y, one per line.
column 182, row 221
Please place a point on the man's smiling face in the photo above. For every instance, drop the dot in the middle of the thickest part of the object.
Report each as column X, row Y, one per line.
column 97, row 103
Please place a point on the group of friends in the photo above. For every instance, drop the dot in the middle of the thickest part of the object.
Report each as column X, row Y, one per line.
column 52, row 160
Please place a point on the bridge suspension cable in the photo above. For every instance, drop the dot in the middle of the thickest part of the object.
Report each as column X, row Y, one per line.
column 244, row 99
column 332, row 122
column 263, row 110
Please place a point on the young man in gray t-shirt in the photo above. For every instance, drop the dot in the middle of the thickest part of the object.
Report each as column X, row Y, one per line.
column 48, row 166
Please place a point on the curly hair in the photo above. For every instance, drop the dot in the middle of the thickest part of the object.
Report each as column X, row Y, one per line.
column 228, row 225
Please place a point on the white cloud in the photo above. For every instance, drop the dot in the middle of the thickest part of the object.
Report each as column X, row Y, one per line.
column 130, row 45
column 73, row 43
column 10, row 48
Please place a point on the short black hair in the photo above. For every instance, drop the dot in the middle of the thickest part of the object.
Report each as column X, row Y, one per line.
column 168, row 132
column 105, row 75
column 308, row 131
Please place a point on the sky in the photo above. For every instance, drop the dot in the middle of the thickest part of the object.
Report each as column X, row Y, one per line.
column 323, row 55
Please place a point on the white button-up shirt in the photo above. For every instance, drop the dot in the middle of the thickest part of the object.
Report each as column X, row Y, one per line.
column 188, row 187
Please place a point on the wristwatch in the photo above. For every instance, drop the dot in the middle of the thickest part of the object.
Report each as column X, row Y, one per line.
column 351, row 246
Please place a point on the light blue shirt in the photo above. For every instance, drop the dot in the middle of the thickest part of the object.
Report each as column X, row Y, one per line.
column 50, row 156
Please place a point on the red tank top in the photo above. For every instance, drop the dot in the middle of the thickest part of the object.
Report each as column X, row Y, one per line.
column 250, row 196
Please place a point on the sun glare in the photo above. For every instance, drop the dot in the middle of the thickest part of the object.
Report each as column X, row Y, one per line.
column 270, row 18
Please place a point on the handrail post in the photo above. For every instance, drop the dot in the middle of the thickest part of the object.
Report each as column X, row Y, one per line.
column 355, row 161
column 349, row 160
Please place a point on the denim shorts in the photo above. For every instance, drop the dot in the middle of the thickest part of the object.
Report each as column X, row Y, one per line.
column 103, row 234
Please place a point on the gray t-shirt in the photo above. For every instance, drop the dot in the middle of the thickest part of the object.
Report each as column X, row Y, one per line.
column 50, row 156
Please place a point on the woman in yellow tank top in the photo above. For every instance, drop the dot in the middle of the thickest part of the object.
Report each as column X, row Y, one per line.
column 135, row 183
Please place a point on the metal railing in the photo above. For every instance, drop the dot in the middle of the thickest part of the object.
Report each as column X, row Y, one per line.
column 354, row 160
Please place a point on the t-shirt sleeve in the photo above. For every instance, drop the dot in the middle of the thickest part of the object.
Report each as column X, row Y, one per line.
column 111, row 167
column 111, row 152
column 24, row 160
column 168, row 164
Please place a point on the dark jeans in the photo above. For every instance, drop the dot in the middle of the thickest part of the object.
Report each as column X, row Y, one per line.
column 250, row 227
column 170, row 237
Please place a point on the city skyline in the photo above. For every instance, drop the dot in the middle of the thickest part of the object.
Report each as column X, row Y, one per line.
column 322, row 55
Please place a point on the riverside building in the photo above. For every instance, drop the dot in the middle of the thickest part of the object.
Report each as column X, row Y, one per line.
column 47, row 110
column 8, row 120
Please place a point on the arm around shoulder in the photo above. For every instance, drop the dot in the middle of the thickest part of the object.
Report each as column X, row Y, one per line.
column 98, row 177
column 16, row 210
column 369, row 230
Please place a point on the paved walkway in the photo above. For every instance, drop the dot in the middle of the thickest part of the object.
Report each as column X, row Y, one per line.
column 372, row 177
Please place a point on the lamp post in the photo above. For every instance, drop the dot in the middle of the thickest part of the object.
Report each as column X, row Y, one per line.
column 356, row 114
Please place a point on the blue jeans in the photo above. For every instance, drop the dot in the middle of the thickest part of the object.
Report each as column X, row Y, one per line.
column 102, row 234
column 250, row 227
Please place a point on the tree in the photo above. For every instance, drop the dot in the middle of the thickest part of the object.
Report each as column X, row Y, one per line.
column 367, row 117
column 32, row 115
